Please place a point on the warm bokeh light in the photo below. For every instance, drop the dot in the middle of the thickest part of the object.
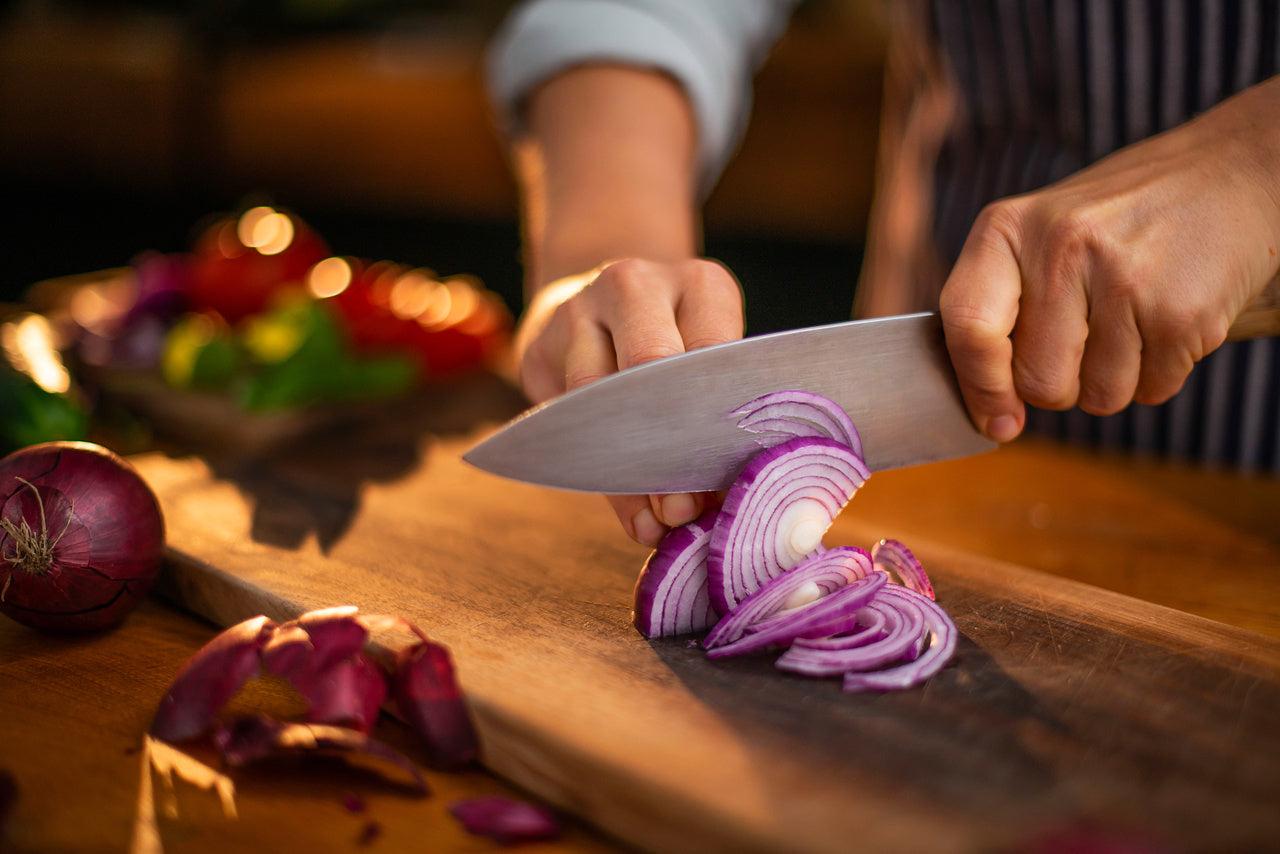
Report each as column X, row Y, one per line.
column 329, row 277
column 411, row 294
column 437, row 309
column 487, row 319
column 29, row 345
column 97, row 307
column 464, row 299
column 265, row 229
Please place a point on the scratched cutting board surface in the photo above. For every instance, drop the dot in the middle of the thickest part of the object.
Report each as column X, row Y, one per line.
column 1067, row 707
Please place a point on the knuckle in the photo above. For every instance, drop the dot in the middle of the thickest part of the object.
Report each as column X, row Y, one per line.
column 1041, row 388
column 1102, row 400
column 646, row 346
column 629, row 277
column 578, row 377
column 707, row 277
column 1072, row 242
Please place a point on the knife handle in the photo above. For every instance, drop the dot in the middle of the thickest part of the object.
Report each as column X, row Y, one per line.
column 1261, row 318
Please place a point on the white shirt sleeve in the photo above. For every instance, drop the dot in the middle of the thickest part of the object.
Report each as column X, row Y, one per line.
column 711, row 47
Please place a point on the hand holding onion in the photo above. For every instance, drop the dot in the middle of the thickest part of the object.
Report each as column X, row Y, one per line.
column 81, row 537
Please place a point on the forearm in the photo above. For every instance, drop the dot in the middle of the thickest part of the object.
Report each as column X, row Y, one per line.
column 1249, row 123
column 607, row 170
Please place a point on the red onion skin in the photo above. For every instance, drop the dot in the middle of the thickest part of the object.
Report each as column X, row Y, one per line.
column 109, row 534
column 505, row 820
column 428, row 696
column 209, row 680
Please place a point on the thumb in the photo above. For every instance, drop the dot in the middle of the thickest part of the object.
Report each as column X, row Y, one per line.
column 979, row 306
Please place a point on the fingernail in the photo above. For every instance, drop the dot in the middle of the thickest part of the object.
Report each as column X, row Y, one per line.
column 678, row 508
column 1003, row 428
column 648, row 529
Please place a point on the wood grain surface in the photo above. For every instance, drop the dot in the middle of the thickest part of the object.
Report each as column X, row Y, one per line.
column 1069, row 710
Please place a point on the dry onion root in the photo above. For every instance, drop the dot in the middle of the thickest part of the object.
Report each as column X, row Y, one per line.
column 868, row 617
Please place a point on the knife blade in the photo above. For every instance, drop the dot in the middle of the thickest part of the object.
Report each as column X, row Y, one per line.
column 665, row 426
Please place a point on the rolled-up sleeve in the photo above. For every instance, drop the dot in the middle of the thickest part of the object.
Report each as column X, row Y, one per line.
column 712, row 48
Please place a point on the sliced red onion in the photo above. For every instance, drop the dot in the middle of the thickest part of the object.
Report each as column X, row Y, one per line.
column 505, row 820
column 783, row 415
column 903, row 567
column 256, row 737
column 942, row 646
column 671, row 593
column 869, row 625
column 831, row 614
column 209, row 680
column 776, row 513
column 832, row 656
column 814, row 577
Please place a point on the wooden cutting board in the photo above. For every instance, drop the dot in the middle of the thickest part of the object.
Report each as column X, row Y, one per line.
column 1069, row 709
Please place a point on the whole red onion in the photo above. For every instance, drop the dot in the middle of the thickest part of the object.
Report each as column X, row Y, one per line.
column 81, row 537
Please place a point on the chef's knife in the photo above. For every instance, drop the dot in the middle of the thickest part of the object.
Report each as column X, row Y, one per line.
column 665, row 426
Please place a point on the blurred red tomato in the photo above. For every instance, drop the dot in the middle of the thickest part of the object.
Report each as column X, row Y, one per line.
column 241, row 264
column 449, row 327
column 364, row 310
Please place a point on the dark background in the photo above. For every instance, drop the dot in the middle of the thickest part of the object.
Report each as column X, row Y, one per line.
column 127, row 124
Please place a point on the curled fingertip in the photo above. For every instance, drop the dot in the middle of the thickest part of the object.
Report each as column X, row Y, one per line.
column 1003, row 428
column 678, row 508
column 645, row 527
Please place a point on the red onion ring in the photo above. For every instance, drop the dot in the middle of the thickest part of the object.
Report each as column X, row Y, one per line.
column 838, row 654
column 902, row 565
column 782, row 415
column 816, row 576
column 776, row 513
column 831, row 614
column 942, row 646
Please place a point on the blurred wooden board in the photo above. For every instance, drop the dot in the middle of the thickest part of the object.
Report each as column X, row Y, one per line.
column 1068, row 708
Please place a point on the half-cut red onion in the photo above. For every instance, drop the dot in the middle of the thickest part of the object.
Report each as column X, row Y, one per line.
column 671, row 593
column 782, row 415
column 81, row 537
column 776, row 514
